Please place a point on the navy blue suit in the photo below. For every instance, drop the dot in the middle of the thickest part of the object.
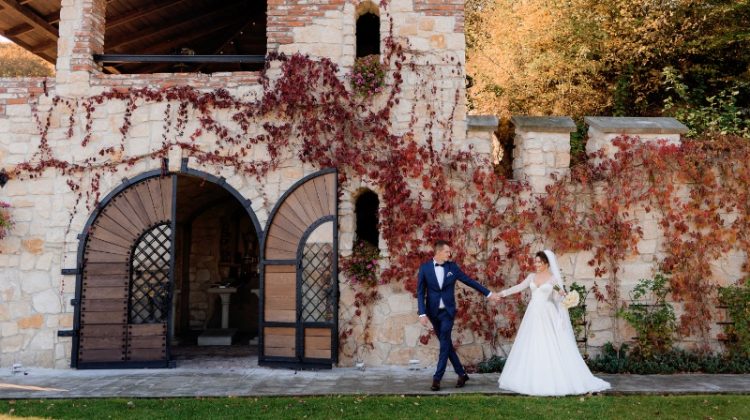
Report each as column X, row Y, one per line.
column 429, row 294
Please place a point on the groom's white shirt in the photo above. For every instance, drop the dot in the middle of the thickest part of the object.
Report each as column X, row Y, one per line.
column 440, row 274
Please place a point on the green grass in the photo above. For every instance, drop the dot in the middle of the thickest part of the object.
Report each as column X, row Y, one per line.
column 390, row 408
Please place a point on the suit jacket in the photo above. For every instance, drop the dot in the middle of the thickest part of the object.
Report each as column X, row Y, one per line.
column 429, row 291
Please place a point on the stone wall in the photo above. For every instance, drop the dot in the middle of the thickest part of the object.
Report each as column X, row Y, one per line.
column 541, row 149
column 35, row 295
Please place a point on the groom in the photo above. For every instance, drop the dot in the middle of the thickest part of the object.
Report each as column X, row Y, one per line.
column 436, row 301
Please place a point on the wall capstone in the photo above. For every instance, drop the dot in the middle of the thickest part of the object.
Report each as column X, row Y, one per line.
column 602, row 130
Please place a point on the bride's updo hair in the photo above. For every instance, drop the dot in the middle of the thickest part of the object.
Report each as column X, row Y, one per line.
column 542, row 256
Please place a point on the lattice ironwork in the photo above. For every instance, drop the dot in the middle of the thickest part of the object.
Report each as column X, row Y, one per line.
column 149, row 276
column 317, row 282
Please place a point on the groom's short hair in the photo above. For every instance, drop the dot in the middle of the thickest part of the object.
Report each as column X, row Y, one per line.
column 440, row 243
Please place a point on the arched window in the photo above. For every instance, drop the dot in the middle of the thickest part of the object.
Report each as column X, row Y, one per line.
column 150, row 265
column 368, row 32
column 366, row 211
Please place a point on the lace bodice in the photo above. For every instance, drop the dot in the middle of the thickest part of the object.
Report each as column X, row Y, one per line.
column 544, row 290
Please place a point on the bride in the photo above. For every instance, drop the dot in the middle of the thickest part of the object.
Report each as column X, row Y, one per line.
column 544, row 359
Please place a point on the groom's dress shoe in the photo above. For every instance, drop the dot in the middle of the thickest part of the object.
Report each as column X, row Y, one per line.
column 435, row 385
column 462, row 381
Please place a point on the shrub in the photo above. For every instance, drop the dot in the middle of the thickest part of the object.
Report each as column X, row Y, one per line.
column 578, row 312
column 493, row 364
column 737, row 300
column 651, row 316
column 622, row 360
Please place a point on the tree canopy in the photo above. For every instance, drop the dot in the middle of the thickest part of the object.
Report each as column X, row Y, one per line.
column 610, row 57
column 17, row 62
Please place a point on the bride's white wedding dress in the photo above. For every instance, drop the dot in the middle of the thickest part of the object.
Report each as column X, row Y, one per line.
column 544, row 359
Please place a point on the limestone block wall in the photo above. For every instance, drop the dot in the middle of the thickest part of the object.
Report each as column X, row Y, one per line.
column 541, row 149
column 35, row 295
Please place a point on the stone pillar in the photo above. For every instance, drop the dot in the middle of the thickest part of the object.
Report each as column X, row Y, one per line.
column 81, row 36
column 480, row 134
column 541, row 148
column 602, row 130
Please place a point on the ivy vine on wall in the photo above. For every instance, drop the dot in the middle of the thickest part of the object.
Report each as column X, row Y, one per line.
column 431, row 188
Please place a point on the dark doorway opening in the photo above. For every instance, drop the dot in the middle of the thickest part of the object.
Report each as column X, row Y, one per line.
column 216, row 302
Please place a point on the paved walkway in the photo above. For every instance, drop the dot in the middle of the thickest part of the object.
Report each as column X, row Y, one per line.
column 215, row 380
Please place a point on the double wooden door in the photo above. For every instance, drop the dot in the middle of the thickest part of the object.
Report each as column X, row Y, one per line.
column 126, row 276
column 299, row 274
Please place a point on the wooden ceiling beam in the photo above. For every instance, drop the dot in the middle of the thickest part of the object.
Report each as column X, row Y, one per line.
column 52, row 18
column 166, row 45
column 44, row 46
column 18, row 30
column 171, row 43
column 172, row 24
column 31, row 17
column 141, row 12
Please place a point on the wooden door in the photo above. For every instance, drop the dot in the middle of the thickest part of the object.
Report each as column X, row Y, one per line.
column 126, row 279
column 299, row 271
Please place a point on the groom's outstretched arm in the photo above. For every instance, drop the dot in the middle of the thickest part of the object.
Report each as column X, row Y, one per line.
column 465, row 279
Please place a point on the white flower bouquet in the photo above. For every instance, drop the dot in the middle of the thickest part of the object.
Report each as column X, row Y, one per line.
column 571, row 300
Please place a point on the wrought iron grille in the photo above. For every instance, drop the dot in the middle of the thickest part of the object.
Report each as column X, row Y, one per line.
column 317, row 282
column 149, row 276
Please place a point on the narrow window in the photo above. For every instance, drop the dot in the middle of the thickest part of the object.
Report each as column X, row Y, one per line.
column 368, row 34
column 366, row 211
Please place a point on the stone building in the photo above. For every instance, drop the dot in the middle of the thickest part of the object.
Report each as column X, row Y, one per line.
column 178, row 250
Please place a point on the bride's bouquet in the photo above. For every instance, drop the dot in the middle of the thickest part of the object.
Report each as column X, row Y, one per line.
column 571, row 299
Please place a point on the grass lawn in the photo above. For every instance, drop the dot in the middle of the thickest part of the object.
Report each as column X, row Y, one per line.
column 391, row 407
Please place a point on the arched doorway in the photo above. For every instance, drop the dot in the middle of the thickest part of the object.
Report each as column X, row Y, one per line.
column 139, row 265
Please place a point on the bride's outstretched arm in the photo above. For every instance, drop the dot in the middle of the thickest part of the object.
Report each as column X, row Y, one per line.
column 517, row 288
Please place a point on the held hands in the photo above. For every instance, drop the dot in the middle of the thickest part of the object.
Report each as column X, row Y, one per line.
column 496, row 297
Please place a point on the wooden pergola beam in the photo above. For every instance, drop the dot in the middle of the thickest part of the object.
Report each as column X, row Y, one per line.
column 177, row 22
column 160, row 47
column 31, row 17
column 141, row 12
column 19, row 30
column 44, row 46
column 53, row 17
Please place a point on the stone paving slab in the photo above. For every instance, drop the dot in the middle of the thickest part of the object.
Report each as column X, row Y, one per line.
column 258, row 381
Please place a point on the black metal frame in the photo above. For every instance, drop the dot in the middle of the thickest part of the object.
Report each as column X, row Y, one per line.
column 84, row 238
column 300, row 325
column 175, row 58
column 295, row 362
column 133, row 249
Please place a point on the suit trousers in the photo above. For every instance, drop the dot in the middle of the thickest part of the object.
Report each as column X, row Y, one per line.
column 443, row 325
